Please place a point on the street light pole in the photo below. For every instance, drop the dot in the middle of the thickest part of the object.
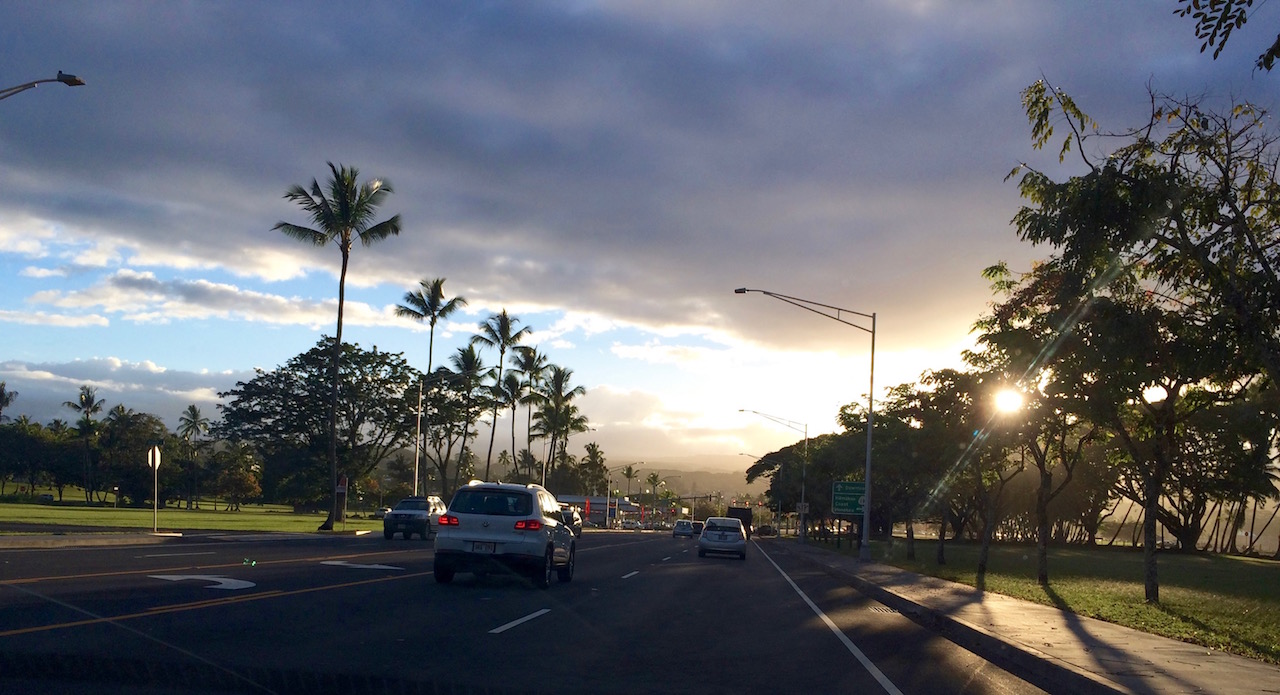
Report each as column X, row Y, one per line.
column 64, row 78
column 864, row 553
column 804, row 467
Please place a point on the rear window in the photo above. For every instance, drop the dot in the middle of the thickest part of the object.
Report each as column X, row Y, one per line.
column 412, row 504
column 493, row 502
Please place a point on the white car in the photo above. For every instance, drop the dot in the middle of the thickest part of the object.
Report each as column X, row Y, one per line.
column 722, row 534
column 631, row 525
column 412, row 515
column 492, row 526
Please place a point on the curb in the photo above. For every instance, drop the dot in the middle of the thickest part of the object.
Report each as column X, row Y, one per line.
column 1037, row 668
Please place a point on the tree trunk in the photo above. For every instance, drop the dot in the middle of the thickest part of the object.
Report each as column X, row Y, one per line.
column 1151, row 505
column 1042, row 527
column 941, row 557
column 911, row 539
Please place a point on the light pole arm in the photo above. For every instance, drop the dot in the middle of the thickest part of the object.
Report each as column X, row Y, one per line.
column 64, row 78
column 809, row 305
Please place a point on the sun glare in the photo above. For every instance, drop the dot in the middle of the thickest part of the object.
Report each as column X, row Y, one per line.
column 1008, row 401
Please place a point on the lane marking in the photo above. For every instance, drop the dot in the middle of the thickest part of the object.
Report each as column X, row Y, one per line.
column 521, row 621
column 219, row 582
column 630, row 574
column 665, row 558
column 178, row 608
column 884, row 681
column 174, row 554
column 129, row 573
column 344, row 563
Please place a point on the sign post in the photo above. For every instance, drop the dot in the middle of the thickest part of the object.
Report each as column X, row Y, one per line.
column 153, row 460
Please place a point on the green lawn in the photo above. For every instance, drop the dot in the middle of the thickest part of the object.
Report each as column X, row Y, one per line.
column 249, row 518
column 1224, row 602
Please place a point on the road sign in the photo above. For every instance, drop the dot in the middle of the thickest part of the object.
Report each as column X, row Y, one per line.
column 153, row 457
column 848, row 496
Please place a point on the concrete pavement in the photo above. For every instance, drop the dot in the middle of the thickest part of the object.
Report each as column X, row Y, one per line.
column 1054, row 649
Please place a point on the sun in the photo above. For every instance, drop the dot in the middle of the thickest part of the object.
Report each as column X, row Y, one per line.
column 1008, row 401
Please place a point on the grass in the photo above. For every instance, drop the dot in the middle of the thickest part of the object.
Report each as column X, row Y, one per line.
column 249, row 518
column 1223, row 602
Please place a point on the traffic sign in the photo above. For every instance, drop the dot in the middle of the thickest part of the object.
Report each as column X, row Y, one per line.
column 848, row 496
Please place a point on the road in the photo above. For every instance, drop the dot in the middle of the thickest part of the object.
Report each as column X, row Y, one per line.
column 272, row 613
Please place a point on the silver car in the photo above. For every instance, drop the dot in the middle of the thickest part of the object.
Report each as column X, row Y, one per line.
column 495, row 526
column 721, row 534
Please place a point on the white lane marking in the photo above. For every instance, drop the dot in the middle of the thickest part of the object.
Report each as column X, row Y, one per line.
column 210, row 552
column 666, row 558
column 630, row 574
column 344, row 563
column 218, row 581
column 521, row 621
column 884, row 681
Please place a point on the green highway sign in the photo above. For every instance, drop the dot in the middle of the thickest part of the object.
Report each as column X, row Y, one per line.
column 848, row 496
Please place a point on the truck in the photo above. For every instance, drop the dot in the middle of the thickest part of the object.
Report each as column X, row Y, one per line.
column 743, row 514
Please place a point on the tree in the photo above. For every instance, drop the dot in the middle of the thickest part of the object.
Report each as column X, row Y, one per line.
column 630, row 473
column 341, row 215
column 467, row 379
column 191, row 425
column 428, row 303
column 1170, row 240
column 7, row 398
column 557, row 416
column 498, row 331
column 533, row 367
column 283, row 413
column 1217, row 19
column 87, row 405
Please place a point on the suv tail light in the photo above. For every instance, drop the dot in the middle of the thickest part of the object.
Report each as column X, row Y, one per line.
column 447, row 520
column 528, row 525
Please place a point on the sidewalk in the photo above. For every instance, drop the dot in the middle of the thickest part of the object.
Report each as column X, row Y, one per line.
column 1056, row 650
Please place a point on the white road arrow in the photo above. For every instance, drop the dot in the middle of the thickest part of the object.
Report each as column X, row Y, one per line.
column 344, row 563
column 218, row 582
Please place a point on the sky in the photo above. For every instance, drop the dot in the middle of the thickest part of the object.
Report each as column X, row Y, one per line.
column 607, row 172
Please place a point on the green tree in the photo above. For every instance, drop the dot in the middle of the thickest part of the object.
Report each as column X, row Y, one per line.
column 191, row 426
column 7, row 398
column 341, row 214
column 498, row 331
column 532, row 365
column 467, row 379
column 283, row 413
column 427, row 303
column 86, row 406
column 1216, row 20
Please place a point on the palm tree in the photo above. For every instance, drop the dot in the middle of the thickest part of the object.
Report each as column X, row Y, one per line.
column 341, row 215
column 7, row 398
column 532, row 364
column 469, row 373
column 498, row 331
column 428, row 304
column 509, row 393
column 630, row 473
column 557, row 415
column 191, row 424
column 87, row 405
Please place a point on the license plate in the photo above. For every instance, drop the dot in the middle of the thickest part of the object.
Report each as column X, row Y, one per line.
column 482, row 547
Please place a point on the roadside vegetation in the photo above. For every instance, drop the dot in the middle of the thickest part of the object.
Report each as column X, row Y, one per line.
column 1223, row 602
column 250, row 517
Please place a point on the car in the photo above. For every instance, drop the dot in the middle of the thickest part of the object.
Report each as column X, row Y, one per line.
column 697, row 528
column 505, row 526
column 413, row 515
column 682, row 529
column 573, row 518
column 723, row 534
column 381, row 512
column 631, row 525
column 767, row 530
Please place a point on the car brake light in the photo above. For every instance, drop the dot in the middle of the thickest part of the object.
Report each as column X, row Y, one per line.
column 528, row 525
column 446, row 520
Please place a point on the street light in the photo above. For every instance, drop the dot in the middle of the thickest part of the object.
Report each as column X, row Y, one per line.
column 608, row 488
column 64, row 78
column 804, row 467
column 864, row 553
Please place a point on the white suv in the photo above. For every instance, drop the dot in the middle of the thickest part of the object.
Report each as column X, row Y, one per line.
column 412, row 515
column 502, row 525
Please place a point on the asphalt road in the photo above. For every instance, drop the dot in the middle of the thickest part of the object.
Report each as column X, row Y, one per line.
column 643, row 614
